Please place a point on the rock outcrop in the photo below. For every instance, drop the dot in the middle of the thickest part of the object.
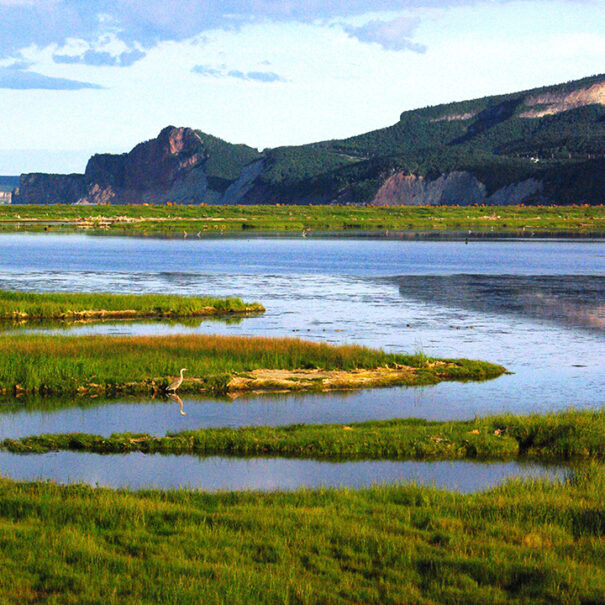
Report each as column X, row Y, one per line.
column 550, row 103
column 448, row 189
column 169, row 168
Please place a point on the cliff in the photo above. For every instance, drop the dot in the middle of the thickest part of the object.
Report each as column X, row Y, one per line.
column 545, row 145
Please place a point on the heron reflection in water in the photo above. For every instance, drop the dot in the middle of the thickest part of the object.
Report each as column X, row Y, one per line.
column 178, row 400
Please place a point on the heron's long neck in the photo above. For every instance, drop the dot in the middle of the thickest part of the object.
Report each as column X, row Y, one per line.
column 182, row 373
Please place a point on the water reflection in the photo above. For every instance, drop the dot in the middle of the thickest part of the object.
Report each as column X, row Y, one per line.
column 138, row 471
column 445, row 401
column 25, row 253
column 178, row 400
column 569, row 300
column 99, row 324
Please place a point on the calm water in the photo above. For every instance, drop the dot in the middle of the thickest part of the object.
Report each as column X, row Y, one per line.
column 537, row 307
column 137, row 471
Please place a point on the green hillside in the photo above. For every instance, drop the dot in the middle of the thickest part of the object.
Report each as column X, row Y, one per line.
column 225, row 160
column 495, row 143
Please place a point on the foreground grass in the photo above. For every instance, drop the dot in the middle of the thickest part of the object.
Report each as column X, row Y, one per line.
column 525, row 542
column 194, row 220
column 42, row 306
column 563, row 436
column 38, row 364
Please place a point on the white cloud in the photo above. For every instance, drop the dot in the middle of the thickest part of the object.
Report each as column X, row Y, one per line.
column 391, row 35
column 45, row 22
column 253, row 75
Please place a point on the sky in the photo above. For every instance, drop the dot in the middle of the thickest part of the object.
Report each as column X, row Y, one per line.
column 79, row 77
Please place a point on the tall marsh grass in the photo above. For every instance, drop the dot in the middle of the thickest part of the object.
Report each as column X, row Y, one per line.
column 62, row 364
column 202, row 219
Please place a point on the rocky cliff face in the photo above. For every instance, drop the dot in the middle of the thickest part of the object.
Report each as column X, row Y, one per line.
column 154, row 171
column 453, row 188
column 169, row 168
column 556, row 102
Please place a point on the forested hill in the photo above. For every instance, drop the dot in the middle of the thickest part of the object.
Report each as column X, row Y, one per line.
column 545, row 145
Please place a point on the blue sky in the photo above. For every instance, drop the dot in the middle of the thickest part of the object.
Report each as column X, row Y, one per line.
column 85, row 76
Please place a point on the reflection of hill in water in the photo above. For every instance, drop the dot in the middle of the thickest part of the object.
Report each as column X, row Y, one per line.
column 575, row 300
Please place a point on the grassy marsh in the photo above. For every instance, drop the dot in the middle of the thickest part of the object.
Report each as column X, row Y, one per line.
column 524, row 542
column 38, row 364
column 198, row 220
column 564, row 436
column 16, row 305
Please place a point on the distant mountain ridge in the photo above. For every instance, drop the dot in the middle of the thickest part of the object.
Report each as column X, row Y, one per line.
column 545, row 145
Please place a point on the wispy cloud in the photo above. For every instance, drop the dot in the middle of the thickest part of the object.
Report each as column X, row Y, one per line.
column 391, row 35
column 206, row 70
column 102, row 58
column 236, row 73
column 19, row 64
column 257, row 76
column 265, row 76
column 45, row 22
column 16, row 79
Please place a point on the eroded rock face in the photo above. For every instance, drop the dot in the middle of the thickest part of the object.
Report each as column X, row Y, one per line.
column 556, row 102
column 167, row 168
column 457, row 187
column 151, row 169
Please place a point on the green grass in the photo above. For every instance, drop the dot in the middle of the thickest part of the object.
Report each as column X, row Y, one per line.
column 535, row 542
column 72, row 305
column 67, row 364
column 193, row 220
column 563, row 436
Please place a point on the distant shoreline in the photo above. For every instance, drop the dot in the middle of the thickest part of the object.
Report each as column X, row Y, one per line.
column 392, row 222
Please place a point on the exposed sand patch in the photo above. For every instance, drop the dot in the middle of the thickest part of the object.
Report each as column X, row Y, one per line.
column 324, row 380
column 455, row 117
column 551, row 103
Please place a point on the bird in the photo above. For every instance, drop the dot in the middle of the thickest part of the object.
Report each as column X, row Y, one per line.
column 176, row 383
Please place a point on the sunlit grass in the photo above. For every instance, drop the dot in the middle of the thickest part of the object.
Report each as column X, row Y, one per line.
column 63, row 364
column 563, row 436
column 198, row 220
column 523, row 542
column 73, row 305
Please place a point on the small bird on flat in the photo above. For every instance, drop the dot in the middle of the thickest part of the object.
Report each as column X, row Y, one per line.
column 176, row 383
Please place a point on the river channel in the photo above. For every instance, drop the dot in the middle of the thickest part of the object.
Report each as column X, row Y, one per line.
column 535, row 306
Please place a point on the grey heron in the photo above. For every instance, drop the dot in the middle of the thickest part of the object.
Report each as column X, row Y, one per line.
column 176, row 383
